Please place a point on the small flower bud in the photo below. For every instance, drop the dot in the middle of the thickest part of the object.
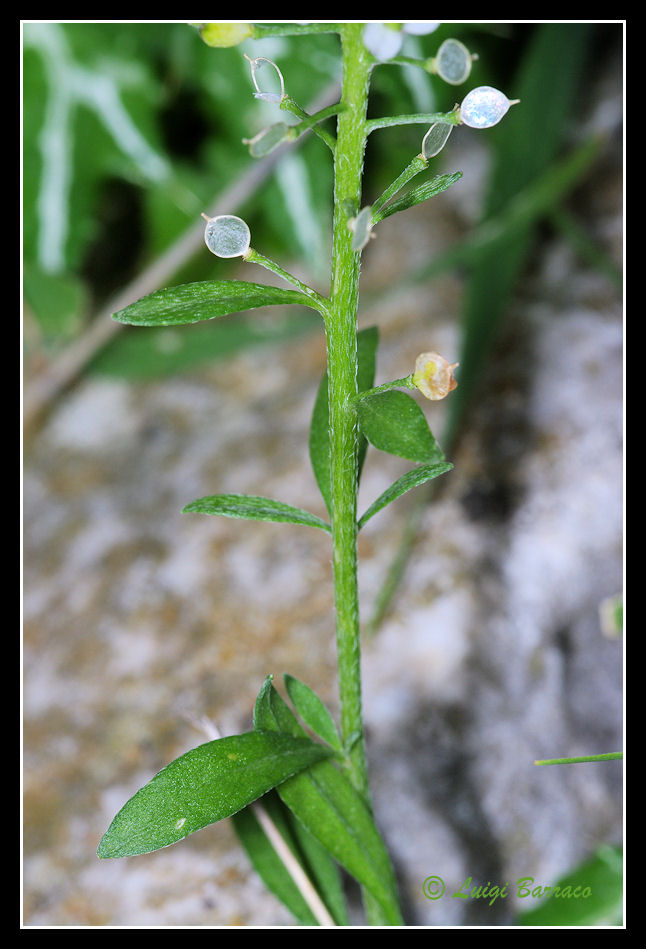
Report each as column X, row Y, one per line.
column 484, row 107
column 227, row 235
column 433, row 376
column 224, row 34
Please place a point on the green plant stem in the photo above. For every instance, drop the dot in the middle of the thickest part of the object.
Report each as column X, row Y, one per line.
column 341, row 329
column 311, row 121
column 426, row 64
column 342, row 387
column 405, row 383
column 419, row 118
column 613, row 756
column 254, row 257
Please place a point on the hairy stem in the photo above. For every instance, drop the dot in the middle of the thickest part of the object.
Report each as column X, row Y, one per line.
column 342, row 387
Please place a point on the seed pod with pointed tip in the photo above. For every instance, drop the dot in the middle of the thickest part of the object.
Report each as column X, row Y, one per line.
column 227, row 235
column 484, row 107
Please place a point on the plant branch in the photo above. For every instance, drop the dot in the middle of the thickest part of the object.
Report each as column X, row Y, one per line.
column 419, row 118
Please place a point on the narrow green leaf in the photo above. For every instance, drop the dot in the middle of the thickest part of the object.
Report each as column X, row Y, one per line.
column 319, row 444
column 412, row 479
column 393, row 421
column 314, row 860
column 253, row 508
column 322, row 869
column 266, row 861
column 333, row 811
column 429, row 189
column 203, row 786
column 312, row 711
column 193, row 302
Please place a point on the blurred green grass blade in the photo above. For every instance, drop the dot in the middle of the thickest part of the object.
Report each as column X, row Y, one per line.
column 165, row 351
column 58, row 301
column 203, row 786
column 603, row 874
column 525, row 170
column 254, row 508
column 525, row 145
column 538, row 199
column 586, row 248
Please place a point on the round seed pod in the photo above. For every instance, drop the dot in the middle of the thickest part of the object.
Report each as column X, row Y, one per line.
column 484, row 107
column 433, row 376
column 453, row 62
column 227, row 236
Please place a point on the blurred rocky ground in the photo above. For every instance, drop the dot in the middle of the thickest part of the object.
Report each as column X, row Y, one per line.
column 140, row 621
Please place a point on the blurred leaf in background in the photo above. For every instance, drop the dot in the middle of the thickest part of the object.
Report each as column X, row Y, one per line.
column 132, row 129
column 603, row 875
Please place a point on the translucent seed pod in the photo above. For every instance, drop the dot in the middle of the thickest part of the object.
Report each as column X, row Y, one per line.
column 453, row 62
column 433, row 376
column 435, row 139
column 266, row 141
column 361, row 227
column 227, row 235
column 272, row 94
column 484, row 107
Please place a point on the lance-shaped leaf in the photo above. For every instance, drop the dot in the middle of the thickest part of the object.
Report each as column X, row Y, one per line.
column 367, row 340
column 314, row 861
column 429, row 189
column 205, row 785
column 253, row 508
column 412, row 479
column 194, row 302
column 333, row 811
column 312, row 711
column 393, row 421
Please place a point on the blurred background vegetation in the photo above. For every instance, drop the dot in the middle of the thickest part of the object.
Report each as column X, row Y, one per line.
column 130, row 130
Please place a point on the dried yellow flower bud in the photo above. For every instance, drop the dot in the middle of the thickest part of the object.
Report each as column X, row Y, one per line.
column 433, row 375
column 224, row 34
